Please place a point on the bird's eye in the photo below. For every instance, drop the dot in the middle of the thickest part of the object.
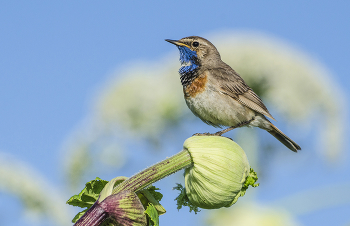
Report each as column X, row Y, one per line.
column 195, row 44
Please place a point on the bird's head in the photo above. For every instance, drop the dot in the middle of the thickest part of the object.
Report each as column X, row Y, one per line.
column 195, row 50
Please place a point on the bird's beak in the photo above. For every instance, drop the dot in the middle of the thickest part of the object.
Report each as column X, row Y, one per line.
column 176, row 42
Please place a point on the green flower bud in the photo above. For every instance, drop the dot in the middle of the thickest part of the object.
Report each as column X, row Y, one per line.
column 219, row 172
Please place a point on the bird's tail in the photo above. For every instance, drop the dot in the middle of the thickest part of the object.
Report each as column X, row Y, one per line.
column 289, row 143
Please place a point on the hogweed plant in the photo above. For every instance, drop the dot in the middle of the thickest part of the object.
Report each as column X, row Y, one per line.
column 217, row 173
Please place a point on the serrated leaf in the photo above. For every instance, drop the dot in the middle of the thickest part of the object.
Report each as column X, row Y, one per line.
column 157, row 195
column 182, row 199
column 250, row 181
column 152, row 214
column 75, row 201
column 150, row 195
column 95, row 187
column 88, row 196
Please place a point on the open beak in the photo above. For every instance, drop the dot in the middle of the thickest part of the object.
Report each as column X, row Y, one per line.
column 176, row 42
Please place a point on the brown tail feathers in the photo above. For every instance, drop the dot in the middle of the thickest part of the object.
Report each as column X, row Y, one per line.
column 283, row 138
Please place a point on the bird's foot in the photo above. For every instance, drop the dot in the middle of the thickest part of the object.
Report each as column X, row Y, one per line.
column 205, row 134
column 218, row 133
column 225, row 130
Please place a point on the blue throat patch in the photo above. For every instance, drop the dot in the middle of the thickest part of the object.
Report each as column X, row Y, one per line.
column 187, row 56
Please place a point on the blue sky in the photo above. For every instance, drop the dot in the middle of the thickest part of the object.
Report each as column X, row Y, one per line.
column 55, row 55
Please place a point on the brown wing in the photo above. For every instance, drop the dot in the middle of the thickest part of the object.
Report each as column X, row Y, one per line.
column 230, row 83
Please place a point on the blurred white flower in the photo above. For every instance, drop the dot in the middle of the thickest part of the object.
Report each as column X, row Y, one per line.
column 251, row 214
column 144, row 100
column 40, row 200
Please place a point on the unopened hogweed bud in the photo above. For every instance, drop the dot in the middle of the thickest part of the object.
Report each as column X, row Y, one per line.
column 125, row 207
column 220, row 173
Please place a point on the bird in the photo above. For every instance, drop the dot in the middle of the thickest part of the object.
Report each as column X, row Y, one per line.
column 217, row 94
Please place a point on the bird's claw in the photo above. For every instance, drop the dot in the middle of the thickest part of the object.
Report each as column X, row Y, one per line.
column 207, row 134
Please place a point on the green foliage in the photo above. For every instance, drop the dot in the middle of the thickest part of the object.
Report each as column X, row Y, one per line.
column 152, row 213
column 182, row 199
column 251, row 179
column 91, row 192
column 87, row 197
column 157, row 195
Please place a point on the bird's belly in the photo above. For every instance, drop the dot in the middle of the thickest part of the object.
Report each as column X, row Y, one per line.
column 218, row 109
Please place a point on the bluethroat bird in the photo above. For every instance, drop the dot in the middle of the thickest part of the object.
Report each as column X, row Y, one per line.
column 216, row 94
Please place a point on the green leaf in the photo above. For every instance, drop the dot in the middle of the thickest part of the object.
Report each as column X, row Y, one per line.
column 157, row 195
column 94, row 188
column 182, row 199
column 150, row 195
column 250, row 181
column 76, row 200
column 152, row 215
column 88, row 196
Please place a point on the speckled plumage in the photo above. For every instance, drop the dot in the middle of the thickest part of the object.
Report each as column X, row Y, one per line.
column 216, row 94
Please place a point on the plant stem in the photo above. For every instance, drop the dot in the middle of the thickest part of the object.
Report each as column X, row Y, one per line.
column 156, row 172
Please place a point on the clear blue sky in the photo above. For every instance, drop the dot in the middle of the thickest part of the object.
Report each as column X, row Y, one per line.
column 55, row 54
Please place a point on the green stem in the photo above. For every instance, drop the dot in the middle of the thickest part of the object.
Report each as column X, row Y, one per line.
column 156, row 172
